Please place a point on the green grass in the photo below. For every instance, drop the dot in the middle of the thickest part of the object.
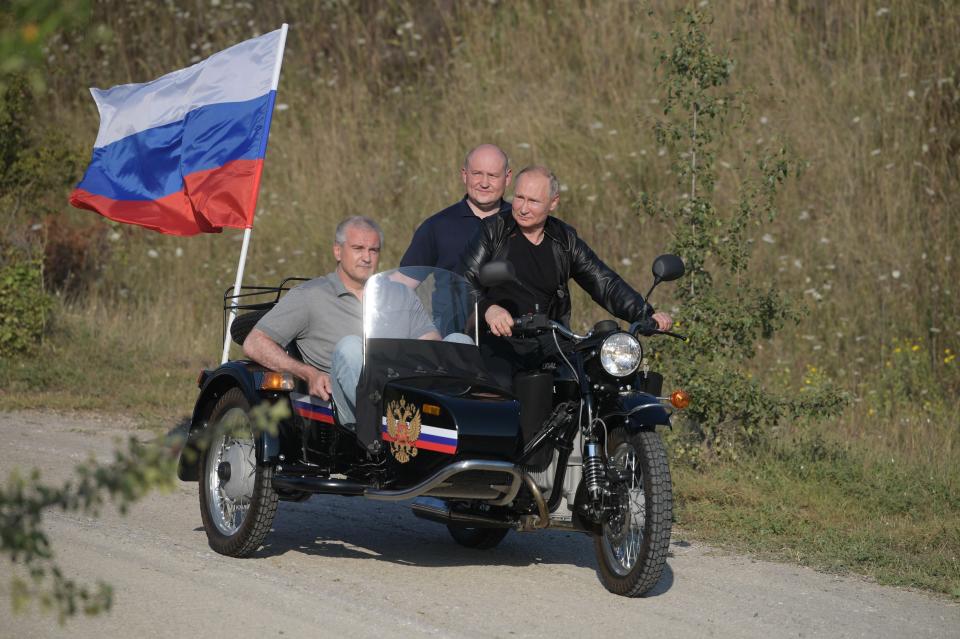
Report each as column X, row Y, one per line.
column 831, row 507
column 81, row 368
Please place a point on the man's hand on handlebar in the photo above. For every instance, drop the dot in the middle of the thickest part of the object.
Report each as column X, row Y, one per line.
column 499, row 320
column 663, row 320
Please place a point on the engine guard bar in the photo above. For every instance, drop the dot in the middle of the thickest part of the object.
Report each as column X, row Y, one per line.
column 446, row 473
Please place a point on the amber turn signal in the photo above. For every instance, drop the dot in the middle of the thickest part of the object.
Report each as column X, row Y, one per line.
column 277, row 381
column 431, row 409
column 680, row 399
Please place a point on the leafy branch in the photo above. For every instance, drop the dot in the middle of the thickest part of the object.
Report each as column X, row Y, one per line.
column 133, row 473
column 722, row 310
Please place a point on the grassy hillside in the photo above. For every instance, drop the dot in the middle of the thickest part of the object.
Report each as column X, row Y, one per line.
column 379, row 101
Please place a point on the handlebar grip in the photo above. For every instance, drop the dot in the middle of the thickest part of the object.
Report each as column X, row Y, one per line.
column 647, row 326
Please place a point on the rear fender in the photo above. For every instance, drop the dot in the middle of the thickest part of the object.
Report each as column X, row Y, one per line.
column 235, row 374
column 641, row 411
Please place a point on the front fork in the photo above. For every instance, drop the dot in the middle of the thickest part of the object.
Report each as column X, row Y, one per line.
column 600, row 503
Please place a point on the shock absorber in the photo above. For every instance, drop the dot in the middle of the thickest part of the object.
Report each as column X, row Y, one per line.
column 592, row 469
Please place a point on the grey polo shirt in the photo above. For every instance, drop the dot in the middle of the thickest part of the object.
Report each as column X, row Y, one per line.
column 317, row 314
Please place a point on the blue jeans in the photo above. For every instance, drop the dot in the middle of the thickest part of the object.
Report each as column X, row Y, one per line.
column 345, row 373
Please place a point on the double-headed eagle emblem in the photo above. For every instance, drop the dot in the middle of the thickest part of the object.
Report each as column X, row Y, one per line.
column 403, row 426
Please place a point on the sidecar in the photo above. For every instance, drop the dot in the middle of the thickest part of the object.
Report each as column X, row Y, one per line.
column 432, row 422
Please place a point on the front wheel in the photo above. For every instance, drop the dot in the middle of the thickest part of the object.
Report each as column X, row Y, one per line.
column 632, row 549
column 237, row 499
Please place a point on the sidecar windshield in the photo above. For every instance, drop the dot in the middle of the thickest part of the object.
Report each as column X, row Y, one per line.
column 419, row 303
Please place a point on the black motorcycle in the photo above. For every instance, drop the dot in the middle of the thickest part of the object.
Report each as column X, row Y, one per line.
column 570, row 445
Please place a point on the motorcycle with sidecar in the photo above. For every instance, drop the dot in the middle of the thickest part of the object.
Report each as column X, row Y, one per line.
column 570, row 445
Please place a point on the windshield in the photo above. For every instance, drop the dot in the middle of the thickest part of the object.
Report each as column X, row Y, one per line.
column 419, row 303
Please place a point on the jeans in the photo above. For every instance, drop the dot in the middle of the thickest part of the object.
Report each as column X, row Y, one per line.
column 346, row 366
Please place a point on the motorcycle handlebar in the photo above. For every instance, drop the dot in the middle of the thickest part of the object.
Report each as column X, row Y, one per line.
column 648, row 327
column 538, row 322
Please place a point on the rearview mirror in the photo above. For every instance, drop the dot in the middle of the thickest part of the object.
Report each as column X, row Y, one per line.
column 667, row 268
column 497, row 273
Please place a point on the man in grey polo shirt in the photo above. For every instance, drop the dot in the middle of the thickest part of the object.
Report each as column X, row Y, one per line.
column 325, row 318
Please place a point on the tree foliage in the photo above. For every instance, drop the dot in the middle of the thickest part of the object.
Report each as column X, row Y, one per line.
column 724, row 309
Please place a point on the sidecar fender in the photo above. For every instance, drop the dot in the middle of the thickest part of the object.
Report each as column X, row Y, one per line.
column 213, row 384
column 641, row 411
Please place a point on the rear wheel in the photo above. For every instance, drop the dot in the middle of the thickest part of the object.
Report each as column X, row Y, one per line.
column 237, row 499
column 632, row 549
column 480, row 538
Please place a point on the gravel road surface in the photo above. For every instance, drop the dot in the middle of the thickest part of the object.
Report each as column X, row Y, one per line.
column 337, row 566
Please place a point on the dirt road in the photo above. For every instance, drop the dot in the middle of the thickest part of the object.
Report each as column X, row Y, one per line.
column 348, row 567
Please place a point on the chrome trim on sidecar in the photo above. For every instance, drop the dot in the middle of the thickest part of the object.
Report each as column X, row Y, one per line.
column 449, row 490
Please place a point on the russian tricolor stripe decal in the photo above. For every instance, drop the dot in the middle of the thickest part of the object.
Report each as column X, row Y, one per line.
column 440, row 440
column 310, row 407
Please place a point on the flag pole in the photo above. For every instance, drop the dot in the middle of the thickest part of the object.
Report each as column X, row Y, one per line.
column 256, row 192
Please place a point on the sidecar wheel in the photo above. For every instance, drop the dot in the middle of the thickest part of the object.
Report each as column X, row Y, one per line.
column 237, row 499
column 479, row 538
column 632, row 550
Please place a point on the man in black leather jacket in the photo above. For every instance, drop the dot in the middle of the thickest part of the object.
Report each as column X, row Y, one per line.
column 546, row 254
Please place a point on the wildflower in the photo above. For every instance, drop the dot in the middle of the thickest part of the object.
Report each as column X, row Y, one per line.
column 591, row 198
column 925, row 148
column 596, row 125
column 283, row 106
column 626, row 261
column 882, row 11
column 564, row 188
column 895, row 274
column 114, row 236
column 178, row 252
column 875, row 152
column 911, row 94
column 896, row 350
column 915, row 348
column 763, row 119
column 855, row 120
column 523, row 145
column 152, row 253
column 804, row 215
column 30, row 32
column 768, row 238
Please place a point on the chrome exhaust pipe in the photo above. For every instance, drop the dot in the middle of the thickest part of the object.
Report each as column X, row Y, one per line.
column 543, row 517
column 469, row 465
column 439, row 511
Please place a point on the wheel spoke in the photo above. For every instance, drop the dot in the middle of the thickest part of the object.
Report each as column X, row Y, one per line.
column 625, row 539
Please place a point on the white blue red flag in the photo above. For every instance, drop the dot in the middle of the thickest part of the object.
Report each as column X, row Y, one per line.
column 183, row 154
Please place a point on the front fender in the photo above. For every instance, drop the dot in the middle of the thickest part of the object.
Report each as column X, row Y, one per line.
column 641, row 411
column 235, row 374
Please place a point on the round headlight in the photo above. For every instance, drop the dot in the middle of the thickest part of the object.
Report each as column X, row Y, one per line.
column 620, row 354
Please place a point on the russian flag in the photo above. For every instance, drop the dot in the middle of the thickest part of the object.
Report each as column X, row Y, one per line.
column 183, row 154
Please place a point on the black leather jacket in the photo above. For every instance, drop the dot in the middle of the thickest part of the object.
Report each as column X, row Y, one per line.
column 574, row 259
